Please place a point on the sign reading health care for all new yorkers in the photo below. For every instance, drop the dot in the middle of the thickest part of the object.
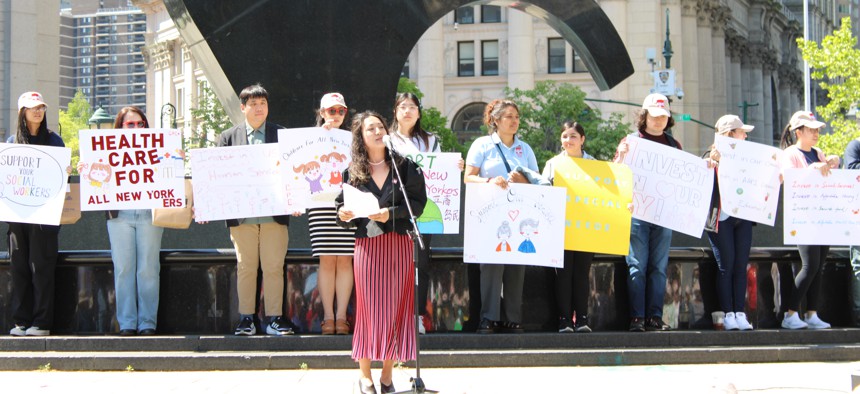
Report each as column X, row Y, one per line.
column 313, row 162
column 671, row 188
column 131, row 169
column 748, row 179
column 821, row 210
column 32, row 183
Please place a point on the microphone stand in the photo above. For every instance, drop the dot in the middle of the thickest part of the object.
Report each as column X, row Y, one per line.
column 415, row 234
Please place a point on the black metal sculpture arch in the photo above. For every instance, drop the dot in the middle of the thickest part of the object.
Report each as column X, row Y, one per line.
column 301, row 49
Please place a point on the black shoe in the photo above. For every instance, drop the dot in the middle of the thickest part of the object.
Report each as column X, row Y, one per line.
column 510, row 327
column 581, row 324
column 703, row 323
column 656, row 324
column 769, row 321
column 278, row 326
column 127, row 333
column 564, row 325
column 486, row 327
column 246, row 327
column 147, row 332
column 637, row 324
column 386, row 388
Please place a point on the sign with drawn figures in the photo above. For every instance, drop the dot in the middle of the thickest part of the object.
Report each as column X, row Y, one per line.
column 598, row 192
column 671, row 188
column 821, row 210
column 748, row 179
column 313, row 162
column 33, row 186
column 519, row 225
column 131, row 169
column 442, row 179
column 234, row 182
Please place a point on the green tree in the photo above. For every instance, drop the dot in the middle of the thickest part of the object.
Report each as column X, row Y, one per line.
column 432, row 119
column 73, row 120
column 544, row 109
column 211, row 117
column 836, row 63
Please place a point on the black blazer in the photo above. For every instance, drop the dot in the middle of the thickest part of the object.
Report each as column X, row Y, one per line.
column 237, row 136
column 391, row 197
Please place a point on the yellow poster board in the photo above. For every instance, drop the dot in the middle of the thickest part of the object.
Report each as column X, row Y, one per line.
column 596, row 215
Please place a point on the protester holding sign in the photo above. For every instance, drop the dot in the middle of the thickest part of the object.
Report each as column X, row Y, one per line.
column 260, row 241
column 731, row 239
column 649, row 243
column 494, row 159
column 571, row 282
column 33, row 248
column 852, row 162
column 409, row 138
column 334, row 245
column 798, row 142
column 384, row 267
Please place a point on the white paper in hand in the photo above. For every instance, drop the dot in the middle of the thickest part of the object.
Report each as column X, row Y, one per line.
column 360, row 203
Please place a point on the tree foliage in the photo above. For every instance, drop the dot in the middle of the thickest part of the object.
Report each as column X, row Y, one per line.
column 836, row 64
column 211, row 120
column 72, row 121
column 432, row 119
column 545, row 108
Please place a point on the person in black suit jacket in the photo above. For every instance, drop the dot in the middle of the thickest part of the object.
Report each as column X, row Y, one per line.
column 258, row 241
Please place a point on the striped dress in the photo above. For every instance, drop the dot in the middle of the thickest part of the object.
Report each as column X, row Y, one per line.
column 327, row 238
column 384, row 276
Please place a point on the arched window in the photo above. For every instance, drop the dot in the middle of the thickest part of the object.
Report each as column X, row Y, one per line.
column 467, row 123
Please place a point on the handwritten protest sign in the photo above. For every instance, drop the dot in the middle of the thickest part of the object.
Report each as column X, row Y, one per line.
column 235, row 182
column 442, row 180
column 33, row 183
column 821, row 210
column 748, row 179
column 131, row 169
column 597, row 219
column 519, row 225
column 671, row 188
column 314, row 159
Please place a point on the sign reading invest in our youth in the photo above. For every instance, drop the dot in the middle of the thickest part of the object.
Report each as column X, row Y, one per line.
column 518, row 225
column 671, row 188
column 131, row 169
column 442, row 180
column 235, row 182
column 313, row 162
column 32, row 183
column 748, row 179
column 597, row 219
column 821, row 210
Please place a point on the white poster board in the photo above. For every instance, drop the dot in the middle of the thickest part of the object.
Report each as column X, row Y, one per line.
column 131, row 169
column 33, row 185
column 748, row 179
column 442, row 180
column 671, row 188
column 234, row 182
column 521, row 225
column 313, row 162
column 821, row 210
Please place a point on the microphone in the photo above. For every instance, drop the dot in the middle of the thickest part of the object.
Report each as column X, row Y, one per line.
column 386, row 139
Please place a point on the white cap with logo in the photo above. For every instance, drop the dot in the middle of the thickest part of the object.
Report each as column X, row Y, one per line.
column 331, row 100
column 30, row 100
column 729, row 123
column 804, row 118
column 657, row 105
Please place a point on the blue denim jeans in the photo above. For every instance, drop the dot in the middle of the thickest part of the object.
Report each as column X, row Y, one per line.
column 731, row 247
column 647, row 261
column 135, row 245
column 855, row 280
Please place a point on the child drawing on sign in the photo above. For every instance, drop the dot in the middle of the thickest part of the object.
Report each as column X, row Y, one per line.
column 527, row 228
column 504, row 233
column 311, row 171
column 335, row 161
column 98, row 174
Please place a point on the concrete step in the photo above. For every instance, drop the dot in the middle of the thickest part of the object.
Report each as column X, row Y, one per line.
column 204, row 353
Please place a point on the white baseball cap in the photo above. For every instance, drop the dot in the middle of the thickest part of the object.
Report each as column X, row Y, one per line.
column 332, row 99
column 30, row 100
column 657, row 105
column 728, row 123
column 804, row 118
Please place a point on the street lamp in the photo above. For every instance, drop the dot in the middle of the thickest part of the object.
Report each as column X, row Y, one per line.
column 99, row 118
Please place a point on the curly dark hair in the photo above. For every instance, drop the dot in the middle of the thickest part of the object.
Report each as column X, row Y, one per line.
column 642, row 115
column 359, row 169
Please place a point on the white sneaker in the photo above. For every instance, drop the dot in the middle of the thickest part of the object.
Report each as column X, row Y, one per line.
column 793, row 322
column 729, row 322
column 815, row 323
column 743, row 323
column 18, row 331
column 37, row 332
column 421, row 329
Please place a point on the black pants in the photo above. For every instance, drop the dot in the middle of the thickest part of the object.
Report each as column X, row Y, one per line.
column 807, row 282
column 33, row 256
column 571, row 283
column 766, row 287
column 423, row 266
